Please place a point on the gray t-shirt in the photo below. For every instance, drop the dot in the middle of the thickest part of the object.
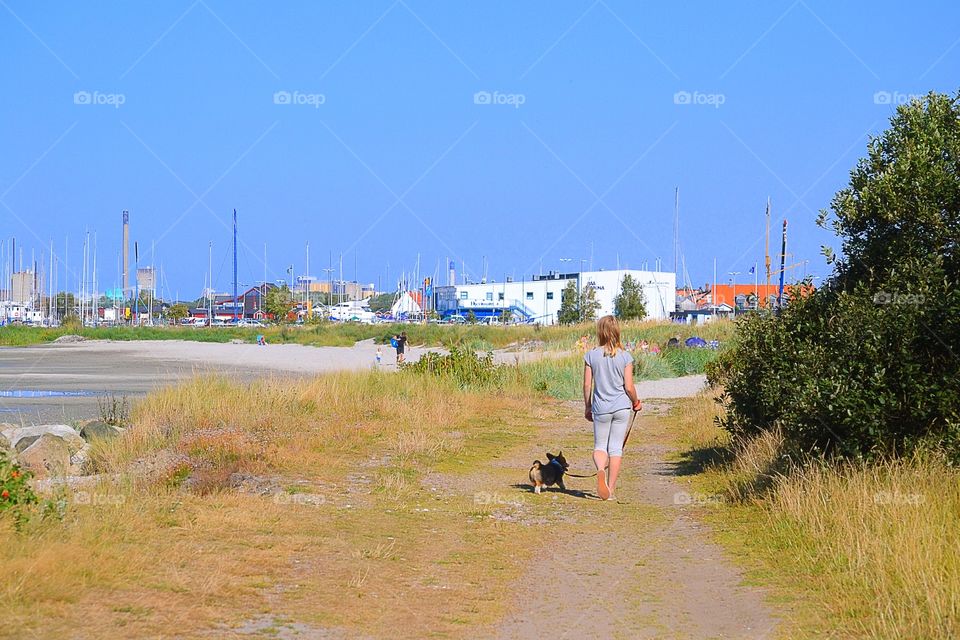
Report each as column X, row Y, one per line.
column 608, row 393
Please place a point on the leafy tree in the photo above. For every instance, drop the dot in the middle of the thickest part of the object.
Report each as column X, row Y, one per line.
column 630, row 303
column 505, row 316
column 382, row 302
column 589, row 305
column 866, row 366
column 65, row 303
column 178, row 312
column 278, row 303
column 569, row 304
column 471, row 317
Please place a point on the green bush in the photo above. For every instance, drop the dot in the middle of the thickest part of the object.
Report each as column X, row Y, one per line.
column 16, row 496
column 462, row 366
column 867, row 367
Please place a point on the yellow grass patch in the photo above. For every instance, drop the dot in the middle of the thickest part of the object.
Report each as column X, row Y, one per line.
column 859, row 551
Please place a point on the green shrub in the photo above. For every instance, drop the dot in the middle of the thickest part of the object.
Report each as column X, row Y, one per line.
column 461, row 365
column 867, row 367
column 16, row 496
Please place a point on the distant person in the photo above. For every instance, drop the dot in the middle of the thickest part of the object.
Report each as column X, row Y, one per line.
column 261, row 341
column 378, row 357
column 609, row 397
column 644, row 346
column 401, row 346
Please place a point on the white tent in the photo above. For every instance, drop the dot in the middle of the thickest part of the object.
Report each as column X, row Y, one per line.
column 405, row 305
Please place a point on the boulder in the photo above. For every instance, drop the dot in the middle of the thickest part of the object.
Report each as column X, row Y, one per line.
column 78, row 461
column 70, row 338
column 30, row 436
column 48, row 455
column 98, row 429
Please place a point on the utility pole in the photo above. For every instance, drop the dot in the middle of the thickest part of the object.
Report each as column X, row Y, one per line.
column 766, row 259
column 676, row 230
column 210, row 287
column 783, row 266
column 234, row 264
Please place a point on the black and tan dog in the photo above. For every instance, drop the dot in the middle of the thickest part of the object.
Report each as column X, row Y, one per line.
column 545, row 475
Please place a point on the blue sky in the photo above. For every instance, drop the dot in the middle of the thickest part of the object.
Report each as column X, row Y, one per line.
column 357, row 126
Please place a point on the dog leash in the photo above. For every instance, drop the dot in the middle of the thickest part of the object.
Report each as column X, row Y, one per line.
column 633, row 417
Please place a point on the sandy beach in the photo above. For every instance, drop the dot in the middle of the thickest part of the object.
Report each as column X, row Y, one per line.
column 64, row 382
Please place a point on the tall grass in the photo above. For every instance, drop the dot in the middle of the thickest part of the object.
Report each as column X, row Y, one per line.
column 870, row 551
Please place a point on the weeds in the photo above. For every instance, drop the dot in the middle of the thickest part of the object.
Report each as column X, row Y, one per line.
column 114, row 410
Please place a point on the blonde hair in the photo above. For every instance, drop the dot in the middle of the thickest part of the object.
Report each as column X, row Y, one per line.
column 608, row 335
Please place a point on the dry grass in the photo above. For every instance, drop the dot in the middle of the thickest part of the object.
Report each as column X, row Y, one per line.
column 354, row 542
column 862, row 551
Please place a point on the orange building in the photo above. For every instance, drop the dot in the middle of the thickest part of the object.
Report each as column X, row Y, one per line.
column 740, row 296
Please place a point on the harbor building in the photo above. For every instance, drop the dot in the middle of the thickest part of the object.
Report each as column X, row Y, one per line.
column 538, row 300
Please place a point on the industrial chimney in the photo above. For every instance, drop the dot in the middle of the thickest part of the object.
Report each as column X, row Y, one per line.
column 452, row 278
column 126, row 252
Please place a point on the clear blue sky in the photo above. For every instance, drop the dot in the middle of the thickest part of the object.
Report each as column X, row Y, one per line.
column 399, row 159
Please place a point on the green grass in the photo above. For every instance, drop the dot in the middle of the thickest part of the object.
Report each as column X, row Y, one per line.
column 479, row 337
column 562, row 377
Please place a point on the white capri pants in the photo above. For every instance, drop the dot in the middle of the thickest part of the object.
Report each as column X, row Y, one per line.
column 610, row 430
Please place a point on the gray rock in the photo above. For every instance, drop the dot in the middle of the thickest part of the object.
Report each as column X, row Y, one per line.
column 48, row 455
column 70, row 338
column 70, row 437
column 99, row 429
column 25, row 442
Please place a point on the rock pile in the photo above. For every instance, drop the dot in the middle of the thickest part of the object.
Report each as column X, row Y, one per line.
column 48, row 450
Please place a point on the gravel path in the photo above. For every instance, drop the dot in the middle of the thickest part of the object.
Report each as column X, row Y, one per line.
column 671, row 387
column 644, row 567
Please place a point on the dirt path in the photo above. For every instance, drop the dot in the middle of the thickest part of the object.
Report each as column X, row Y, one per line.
column 643, row 568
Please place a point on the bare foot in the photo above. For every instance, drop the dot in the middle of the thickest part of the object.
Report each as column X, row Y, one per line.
column 602, row 489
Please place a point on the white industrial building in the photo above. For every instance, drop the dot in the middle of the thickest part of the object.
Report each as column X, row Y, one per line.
column 538, row 300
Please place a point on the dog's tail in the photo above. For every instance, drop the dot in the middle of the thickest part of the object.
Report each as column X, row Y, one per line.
column 537, row 465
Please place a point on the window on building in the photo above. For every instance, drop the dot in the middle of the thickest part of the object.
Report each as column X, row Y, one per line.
column 490, row 296
column 500, row 296
column 549, row 295
column 463, row 295
column 529, row 295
